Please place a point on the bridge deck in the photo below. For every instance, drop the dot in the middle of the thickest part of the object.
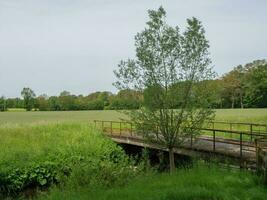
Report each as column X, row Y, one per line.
column 241, row 145
column 202, row 144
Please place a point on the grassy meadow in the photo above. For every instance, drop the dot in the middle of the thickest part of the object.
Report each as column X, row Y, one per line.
column 74, row 161
column 59, row 155
column 199, row 183
column 57, row 116
column 69, row 154
column 230, row 115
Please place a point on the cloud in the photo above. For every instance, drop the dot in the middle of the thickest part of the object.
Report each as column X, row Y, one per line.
column 75, row 45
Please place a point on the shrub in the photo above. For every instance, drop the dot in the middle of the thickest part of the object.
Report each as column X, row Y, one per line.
column 36, row 157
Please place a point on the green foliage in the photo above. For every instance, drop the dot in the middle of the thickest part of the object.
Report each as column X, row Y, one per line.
column 66, row 101
column 42, row 102
column 28, row 96
column 3, row 104
column 126, row 100
column 95, row 105
column 256, row 84
column 35, row 175
column 200, row 182
column 74, row 155
column 14, row 103
column 244, row 86
column 172, row 69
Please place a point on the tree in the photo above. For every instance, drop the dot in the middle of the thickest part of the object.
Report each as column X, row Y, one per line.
column 28, row 96
column 217, row 87
column 3, row 103
column 67, row 101
column 126, row 99
column 42, row 102
column 54, row 103
column 233, row 86
column 256, row 84
column 166, row 58
column 14, row 103
column 245, row 85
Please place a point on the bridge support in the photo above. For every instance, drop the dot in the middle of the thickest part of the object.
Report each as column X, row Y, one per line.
column 157, row 158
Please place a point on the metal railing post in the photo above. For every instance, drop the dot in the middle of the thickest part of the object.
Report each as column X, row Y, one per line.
column 120, row 128
column 231, row 130
column 241, row 150
column 213, row 140
column 102, row 125
column 111, row 127
column 157, row 132
column 251, row 130
column 191, row 140
column 131, row 129
column 257, row 155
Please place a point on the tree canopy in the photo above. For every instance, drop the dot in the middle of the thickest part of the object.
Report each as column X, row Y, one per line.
column 171, row 68
column 29, row 98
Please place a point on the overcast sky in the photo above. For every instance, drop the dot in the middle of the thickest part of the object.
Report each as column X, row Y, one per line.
column 74, row 45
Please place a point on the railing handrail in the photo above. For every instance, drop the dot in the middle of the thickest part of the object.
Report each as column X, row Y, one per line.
column 240, row 123
column 216, row 122
column 263, row 134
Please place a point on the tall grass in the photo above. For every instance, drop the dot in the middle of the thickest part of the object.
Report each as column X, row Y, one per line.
column 39, row 156
column 199, row 183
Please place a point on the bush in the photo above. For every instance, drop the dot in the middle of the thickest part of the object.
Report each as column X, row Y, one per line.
column 36, row 157
column 124, row 104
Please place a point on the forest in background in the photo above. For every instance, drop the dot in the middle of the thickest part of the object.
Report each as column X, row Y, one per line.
column 243, row 87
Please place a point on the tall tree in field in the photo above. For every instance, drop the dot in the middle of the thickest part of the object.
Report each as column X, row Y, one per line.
column 256, row 85
column 233, row 86
column 28, row 96
column 42, row 102
column 169, row 68
column 3, row 106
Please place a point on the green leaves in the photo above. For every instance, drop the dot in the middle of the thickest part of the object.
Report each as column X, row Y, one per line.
column 65, row 154
column 28, row 96
column 171, row 69
column 256, row 86
column 166, row 57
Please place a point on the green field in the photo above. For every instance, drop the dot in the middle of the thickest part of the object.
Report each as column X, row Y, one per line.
column 57, row 116
column 74, row 161
column 40, row 150
column 200, row 183
column 231, row 115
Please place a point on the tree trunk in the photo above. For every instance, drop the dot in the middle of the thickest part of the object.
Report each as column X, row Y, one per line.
column 233, row 102
column 241, row 101
column 171, row 158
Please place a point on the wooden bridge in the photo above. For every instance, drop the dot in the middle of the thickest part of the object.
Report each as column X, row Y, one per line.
column 239, row 141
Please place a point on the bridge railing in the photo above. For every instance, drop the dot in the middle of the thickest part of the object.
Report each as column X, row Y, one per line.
column 249, row 129
column 261, row 156
column 238, row 126
column 245, row 141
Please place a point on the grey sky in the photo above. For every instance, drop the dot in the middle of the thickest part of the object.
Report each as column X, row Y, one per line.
column 55, row 45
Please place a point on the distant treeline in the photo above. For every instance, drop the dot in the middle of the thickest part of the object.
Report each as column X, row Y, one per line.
column 125, row 99
column 243, row 87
